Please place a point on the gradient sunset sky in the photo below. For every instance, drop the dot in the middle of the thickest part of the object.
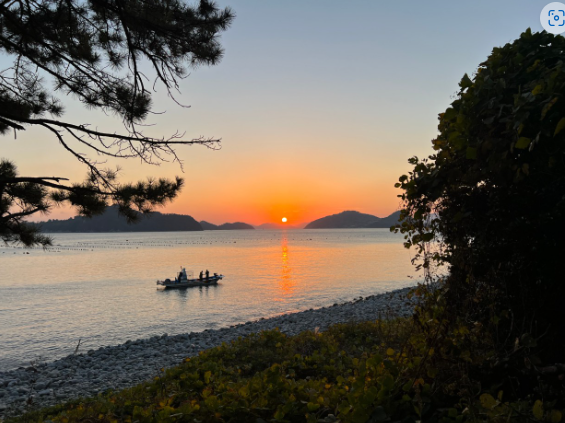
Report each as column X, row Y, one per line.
column 319, row 105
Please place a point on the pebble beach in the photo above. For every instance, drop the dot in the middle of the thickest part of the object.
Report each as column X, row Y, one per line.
column 89, row 373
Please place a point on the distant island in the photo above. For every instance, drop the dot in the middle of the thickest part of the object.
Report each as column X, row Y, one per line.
column 354, row 219
column 207, row 226
column 111, row 221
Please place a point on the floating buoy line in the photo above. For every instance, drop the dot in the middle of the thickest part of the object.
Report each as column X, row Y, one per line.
column 88, row 246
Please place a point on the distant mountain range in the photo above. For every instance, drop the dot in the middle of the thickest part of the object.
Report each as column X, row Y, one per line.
column 110, row 221
column 354, row 219
column 207, row 226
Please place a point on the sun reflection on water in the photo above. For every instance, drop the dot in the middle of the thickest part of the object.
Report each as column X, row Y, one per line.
column 286, row 282
column 105, row 293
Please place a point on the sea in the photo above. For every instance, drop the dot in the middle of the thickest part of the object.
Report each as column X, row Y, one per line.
column 98, row 289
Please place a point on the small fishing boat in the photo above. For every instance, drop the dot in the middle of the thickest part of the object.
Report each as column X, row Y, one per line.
column 187, row 280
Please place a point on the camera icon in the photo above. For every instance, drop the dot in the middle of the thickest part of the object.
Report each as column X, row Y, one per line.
column 552, row 18
column 556, row 17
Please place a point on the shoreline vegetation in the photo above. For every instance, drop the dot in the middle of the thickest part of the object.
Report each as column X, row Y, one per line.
column 113, row 368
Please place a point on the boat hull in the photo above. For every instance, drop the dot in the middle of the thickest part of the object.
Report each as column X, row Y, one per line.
column 191, row 283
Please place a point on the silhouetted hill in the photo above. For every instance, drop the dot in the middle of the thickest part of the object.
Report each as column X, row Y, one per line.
column 110, row 221
column 353, row 219
column 235, row 225
column 207, row 226
column 386, row 222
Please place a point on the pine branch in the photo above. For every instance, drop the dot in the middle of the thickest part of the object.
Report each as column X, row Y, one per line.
column 210, row 142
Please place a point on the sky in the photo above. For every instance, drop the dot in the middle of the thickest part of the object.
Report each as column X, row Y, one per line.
column 319, row 105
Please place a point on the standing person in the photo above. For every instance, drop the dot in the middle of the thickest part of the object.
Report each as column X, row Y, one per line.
column 200, row 277
column 207, row 274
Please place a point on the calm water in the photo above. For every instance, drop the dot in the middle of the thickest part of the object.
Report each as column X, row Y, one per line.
column 100, row 288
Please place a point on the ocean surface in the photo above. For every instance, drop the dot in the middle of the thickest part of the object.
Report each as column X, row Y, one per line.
column 100, row 288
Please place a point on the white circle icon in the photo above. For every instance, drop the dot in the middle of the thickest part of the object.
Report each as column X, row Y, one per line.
column 552, row 18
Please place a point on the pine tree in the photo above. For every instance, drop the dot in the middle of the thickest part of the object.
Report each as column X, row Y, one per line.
column 94, row 50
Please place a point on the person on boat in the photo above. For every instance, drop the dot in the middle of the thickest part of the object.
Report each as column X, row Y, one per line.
column 207, row 274
column 179, row 278
column 215, row 275
column 201, row 273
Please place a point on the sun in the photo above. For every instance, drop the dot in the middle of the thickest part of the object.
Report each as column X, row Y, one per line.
column 284, row 220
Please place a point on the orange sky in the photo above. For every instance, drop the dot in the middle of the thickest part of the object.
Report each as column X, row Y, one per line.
column 314, row 121
column 255, row 187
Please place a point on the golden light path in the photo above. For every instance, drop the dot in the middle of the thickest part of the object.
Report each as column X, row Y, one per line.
column 286, row 283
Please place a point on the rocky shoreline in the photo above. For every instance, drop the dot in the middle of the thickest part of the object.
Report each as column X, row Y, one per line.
column 125, row 365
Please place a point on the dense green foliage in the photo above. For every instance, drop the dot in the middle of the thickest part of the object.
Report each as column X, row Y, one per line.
column 100, row 52
column 497, row 187
column 368, row 372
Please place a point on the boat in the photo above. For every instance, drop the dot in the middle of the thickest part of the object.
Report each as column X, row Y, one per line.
column 187, row 280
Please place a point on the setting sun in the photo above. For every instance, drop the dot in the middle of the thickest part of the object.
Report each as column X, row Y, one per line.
column 284, row 219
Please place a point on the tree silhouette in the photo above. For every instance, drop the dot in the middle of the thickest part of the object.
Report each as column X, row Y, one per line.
column 96, row 51
column 494, row 191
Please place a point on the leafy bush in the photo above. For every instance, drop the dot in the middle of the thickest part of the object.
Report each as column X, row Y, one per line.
column 494, row 191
